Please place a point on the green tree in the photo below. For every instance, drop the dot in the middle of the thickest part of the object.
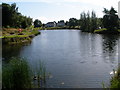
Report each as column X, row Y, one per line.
column 37, row 23
column 94, row 24
column 110, row 19
column 88, row 23
column 73, row 22
column 67, row 23
column 12, row 18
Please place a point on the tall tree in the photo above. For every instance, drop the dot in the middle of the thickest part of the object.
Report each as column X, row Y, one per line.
column 93, row 22
column 12, row 18
column 88, row 23
column 110, row 19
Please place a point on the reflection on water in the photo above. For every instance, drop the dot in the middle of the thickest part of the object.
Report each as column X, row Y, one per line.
column 75, row 59
column 109, row 43
column 110, row 47
column 9, row 51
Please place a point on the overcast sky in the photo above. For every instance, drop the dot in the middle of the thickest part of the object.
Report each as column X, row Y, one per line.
column 55, row 10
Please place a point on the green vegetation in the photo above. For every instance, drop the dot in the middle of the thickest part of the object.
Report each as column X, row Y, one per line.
column 13, row 36
column 18, row 74
column 110, row 19
column 89, row 23
column 39, row 74
column 37, row 23
column 115, row 82
column 73, row 22
column 13, row 18
column 100, row 30
column 106, row 31
column 65, row 27
column 110, row 22
column 17, row 28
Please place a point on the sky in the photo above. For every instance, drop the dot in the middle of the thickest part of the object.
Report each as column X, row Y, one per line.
column 55, row 10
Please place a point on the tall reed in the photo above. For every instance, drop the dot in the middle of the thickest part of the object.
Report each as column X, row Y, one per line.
column 115, row 81
column 19, row 74
column 16, row 74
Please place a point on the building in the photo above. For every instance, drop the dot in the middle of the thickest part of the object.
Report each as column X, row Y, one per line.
column 61, row 23
column 50, row 24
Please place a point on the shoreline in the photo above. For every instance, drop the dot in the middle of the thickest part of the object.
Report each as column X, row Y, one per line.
column 105, row 31
column 18, row 38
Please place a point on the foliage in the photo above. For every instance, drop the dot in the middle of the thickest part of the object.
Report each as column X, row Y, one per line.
column 39, row 73
column 110, row 19
column 115, row 82
column 18, row 37
column 73, row 22
column 37, row 23
column 16, row 74
column 12, row 18
column 89, row 23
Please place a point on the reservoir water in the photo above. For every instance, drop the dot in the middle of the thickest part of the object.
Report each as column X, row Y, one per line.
column 75, row 59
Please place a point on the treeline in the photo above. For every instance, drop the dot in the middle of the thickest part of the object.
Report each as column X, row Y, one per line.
column 73, row 22
column 12, row 18
column 88, row 23
column 110, row 19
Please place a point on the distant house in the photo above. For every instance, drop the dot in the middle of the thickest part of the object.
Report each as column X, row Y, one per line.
column 61, row 23
column 50, row 24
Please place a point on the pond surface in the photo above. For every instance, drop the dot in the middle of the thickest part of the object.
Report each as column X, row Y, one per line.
column 74, row 59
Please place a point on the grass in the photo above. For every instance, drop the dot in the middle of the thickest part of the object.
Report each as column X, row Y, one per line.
column 12, row 36
column 18, row 74
column 40, row 75
column 100, row 30
column 10, row 31
column 106, row 31
column 65, row 27
column 1, row 36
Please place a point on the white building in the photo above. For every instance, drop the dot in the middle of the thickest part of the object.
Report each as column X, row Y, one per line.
column 50, row 24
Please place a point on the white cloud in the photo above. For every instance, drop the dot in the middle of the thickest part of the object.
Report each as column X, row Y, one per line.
column 102, row 3
column 42, row 19
column 119, row 10
column 81, row 5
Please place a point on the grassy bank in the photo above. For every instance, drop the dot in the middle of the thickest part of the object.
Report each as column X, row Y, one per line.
column 56, row 28
column 105, row 31
column 65, row 27
column 13, row 36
